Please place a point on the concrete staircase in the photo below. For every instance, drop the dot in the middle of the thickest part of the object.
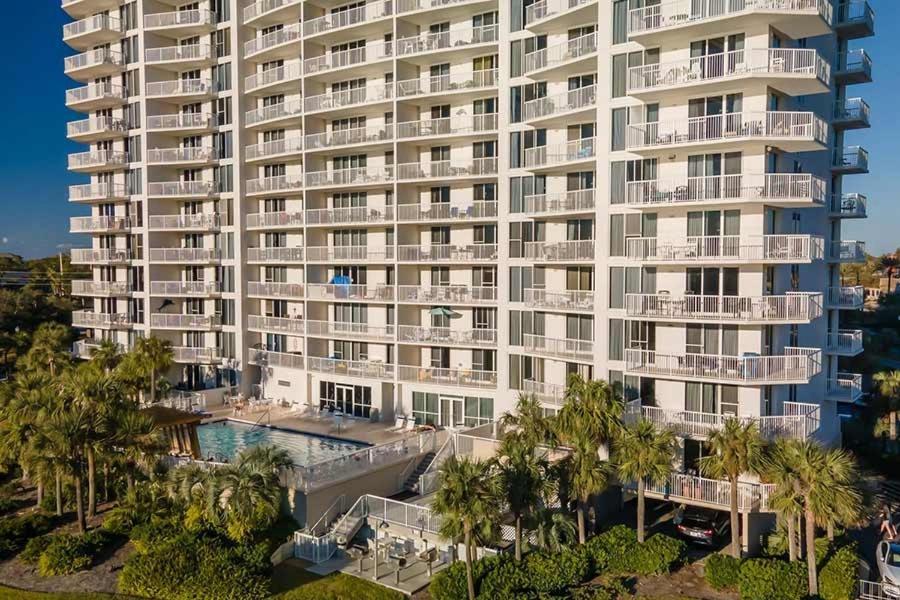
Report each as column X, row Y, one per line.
column 412, row 482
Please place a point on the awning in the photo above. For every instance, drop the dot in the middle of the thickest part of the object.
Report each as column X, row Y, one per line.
column 443, row 311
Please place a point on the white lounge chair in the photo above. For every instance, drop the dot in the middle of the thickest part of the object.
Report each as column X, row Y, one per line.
column 399, row 424
column 410, row 424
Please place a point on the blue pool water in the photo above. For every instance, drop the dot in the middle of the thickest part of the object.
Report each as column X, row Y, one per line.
column 226, row 439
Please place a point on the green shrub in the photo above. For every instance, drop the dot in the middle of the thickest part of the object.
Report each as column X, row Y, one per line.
column 772, row 579
column 617, row 551
column 34, row 548
column 16, row 531
column 722, row 571
column 837, row 580
column 659, row 555
column 8, row 505
column 146, row 536
column 66, row 554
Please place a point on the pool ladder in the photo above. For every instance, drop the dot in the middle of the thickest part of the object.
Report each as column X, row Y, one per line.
column 258, row 423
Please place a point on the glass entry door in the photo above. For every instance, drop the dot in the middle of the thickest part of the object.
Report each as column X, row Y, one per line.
column 451, row 412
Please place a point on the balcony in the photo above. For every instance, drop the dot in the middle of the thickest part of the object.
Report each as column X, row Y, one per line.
column 561, row 106
column 181, row 189
column 181, row 156
column 559, row 348
column 847, row 251
column 197, row 356
column 97, row 192
column 275, row 220
column 799, row 421
column 281, row 184
column 454, row 83
column 98, row 160
column 796, row 72
column 451, row 253
column 454, row 39
column 373, row 134
column 854, row 19
column 354, row 292
column 853, row 160
column 682, row 488
column 85, row 348
column 407, row 6
column 352, row 215
column 462, row 377
column 848, row 206
column 797, row 365
column 364, row 55
column 790, row 308
column 562, row 155
column 100, row 256
column 267, row 358
column 568, row 57
column 359, row 15
column 563, row 203
column 854, row 66
column 101, row 224
column 191, row 289
column 452, row 295
column 364, row 369
column 95, row 96
column 567, row 251
column 447, row 169
column 79, row 9
column 94, row 64
column 446, row 336
column 790, row 131
column 96, row 129
column 458, row 126
column 796, row 19
column 765, row 249
column 283, row 113
column 181, row 23
column 541, row 16
column 280, row 44
column 88, row 319
column 783, row 189
column 92, row 31
column 845, row 342
column 852, row 113
column 361, row 176
column 264, row 324
column 845, row 298
column 275, row 255
column 185, row 255
column 349, row 98
column 444, row 211
column 846, row 387
column 350, row 253
column 185, row 222
column 176, row 321
column 274, row 149
column 179, row 89
column 553, row 394
column 274, row 289
column 564, row 300
column 88, row 287
column 263, row 13
column 180, row 58
column 181, row 123
column 350, row 330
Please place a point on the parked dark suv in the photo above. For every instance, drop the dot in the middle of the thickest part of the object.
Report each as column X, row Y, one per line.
column 703, row 526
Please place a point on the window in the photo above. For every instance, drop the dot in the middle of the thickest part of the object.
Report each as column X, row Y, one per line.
column 425, row 408
column 222, row 40
column 223, row 111
column 221, row 77
column 478, row 411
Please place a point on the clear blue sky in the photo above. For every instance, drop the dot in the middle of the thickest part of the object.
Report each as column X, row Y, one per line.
column 34, row 211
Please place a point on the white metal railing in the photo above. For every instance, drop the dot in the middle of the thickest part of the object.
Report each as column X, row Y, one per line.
column 560, row 299
column 349, row 214
column 791, row 307
column 694, row 489
column 275, row 219
column 715, row 188
column 275, row 289
column 285, row 35
column 542, row 156
column 178, row 87
column 346, row 58
column 180, row 121
column 460, row 124
column 416, row 334
column 96, row 125
column 343, row 137
column 180, row 321
column 559, row 251
column 352, row 368
column 345, row 253
column 86, row 318
column 95, row 91
column 404, row 6
column 279, row 324
column 268, row 358
column 360, row 292
column 177, row 155
column 96, row 191
column 349, row 329
column 94, row 23
column 186, row 221
column 345, row 18
column 352, row 97
column 549, row 393
column 97, row 159
column 461, row 377
column 787, row 125
column 797, row 364
column 577, row 99
column 444, row 211
column 194, row 355
column 279, row 183
column 454, row 82
column 876, row 590
column 179, row 18
column 100, row 255
column 679, row 13
column 447, row 294
column 88, row 287
column 289, row 71
column 276, row 255
column 576, row 200
column 544, row 9
column 93, row 58
column 849, row 297
column 447, row 253
column 283, row 110
column 851, row 251
column 181, row 255
column 178, row 53
column 852, row 109
column 561, row 53
column 444, row 40
column 559, row 347
column 185, row 288
column 261, row 7
column 845, row 341
column 352, row 176
column 850, row 205
column 291, row 145
column 846, row 387
column 764, row 248
column 447, row 168
column 761, row 61
column 100, row 223
column 180, row 188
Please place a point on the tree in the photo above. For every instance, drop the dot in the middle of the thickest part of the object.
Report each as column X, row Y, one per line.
column 49, row 348
column 107, row 355
column 644, row 454
column 592, row 407
column 888, row 264
column 156, row 356
column 67, row 434
column 529, row 421
column 735, row 449
column 131, row 375
column 137, row 438
column 468, row 494
column 586, row 472
column 554, row 531
column 779, row 468
column 523, row 479
column 888, row 384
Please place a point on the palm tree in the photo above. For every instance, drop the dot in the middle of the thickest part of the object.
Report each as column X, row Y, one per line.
column 554, row 531
column 644, row 454
column 67, row 433
column 523, row 480
column 779, row 468
column 107, row 355
column 529, row 421
column 156, row 357
column 587, row 473
column 49, row 348
column 137, row 438
column 735, row 449
column 888, row 384
column 593, row 407
column 887, row 264
column 468, row 494
column 131, row 375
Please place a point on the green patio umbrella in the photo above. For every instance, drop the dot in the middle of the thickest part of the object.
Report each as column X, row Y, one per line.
column 443, row 311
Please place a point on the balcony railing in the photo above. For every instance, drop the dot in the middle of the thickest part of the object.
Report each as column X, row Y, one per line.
column 447, row 168
column 442, row 84
column 279, row 324
column 267, row 358
column 447, row 253
column 561, row 104
column 185, row 288
column 100, row 256
column 563, row 348
column 797, row 365
column 178, row 87
column 461, row 377
column 750, row 187
column 280, row 183
column 782, row 125
column 93, row 24
column 570, row 250
column 853, row 159
column 728, row 248
column 853, row 110
column 368, row 369
column 170, row 54
column 563, row 202
column 350, row 253
column 350, row 329
column 180, row 18
column 292, row 145
column 848, row 206
column 86, row 318
column 275, row 255
column 176, row 321
column 444, row 211
column 283, row 110
column 560, row 299
column 548, row 393
column 845, row 342
column 275, row 289
column 447, row 294
column 94, row 58
column 679, row 13
column 790, row 308
column 95, row 92
column 847, row 298
column 560, row 54
column 88, row 287
column 175, row 189
column 180, row 121
column 350, row 214
column 354, row 176
column 544, row 9
column 462, row 124
column 691, row 489
column 96, row 126
column 854, row 66
column 96, row 191
column 97, row 159
column 404, row 6
column 446, row 336
column 545, row 156
column 262, row 7
column 97, row 224
column 351, row 97
column 290, row 71
column 191, row 355
column 161, row 156
column 185, row 255
column 737, row 63
column 446, row 40
column 355, row 292
column 345, row 137
column 347, row 58
column 846, row 387
column 847, row 251
column 201, row 221
column 275, row 219
column 855, row 18
column 346, row 18
column 280, row 37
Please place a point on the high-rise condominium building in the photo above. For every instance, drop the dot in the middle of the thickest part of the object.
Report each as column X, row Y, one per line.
column 429, row 207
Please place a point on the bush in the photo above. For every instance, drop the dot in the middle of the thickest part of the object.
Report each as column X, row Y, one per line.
column 617, row 551
column 838, row 578
column 722, row 571
column 8, row 505
column 146, row 536
column 772, row 579
column 34, row 548
column 16, row 531
column 659, row 555
column 64, row 554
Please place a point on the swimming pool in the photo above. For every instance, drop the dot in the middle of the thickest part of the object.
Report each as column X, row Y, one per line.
column 225, row 439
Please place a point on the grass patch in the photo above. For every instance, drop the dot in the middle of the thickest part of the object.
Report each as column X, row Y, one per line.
column 14, row 594
column 340, row 586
